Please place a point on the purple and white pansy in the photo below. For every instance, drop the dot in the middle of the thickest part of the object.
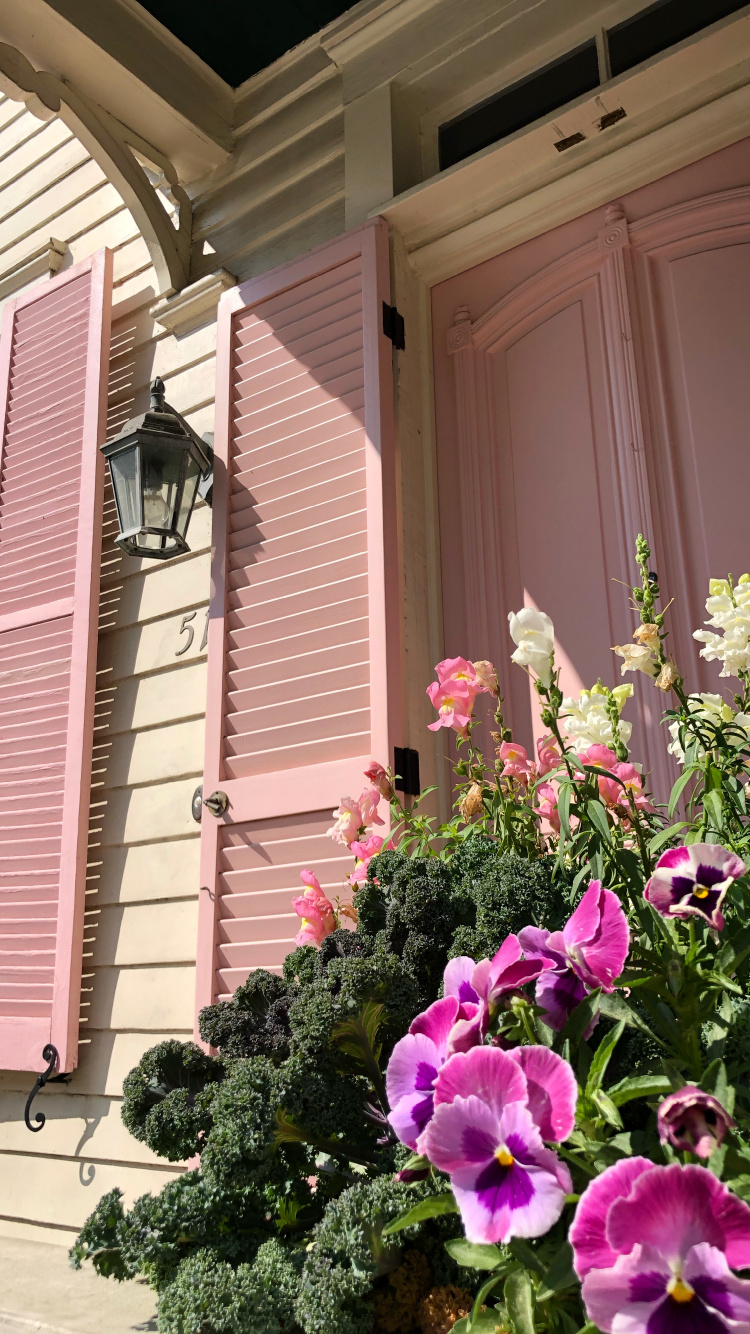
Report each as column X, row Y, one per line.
column 692, row 881
column 414, row 1066
column 493, row 1110
column 655, row 1247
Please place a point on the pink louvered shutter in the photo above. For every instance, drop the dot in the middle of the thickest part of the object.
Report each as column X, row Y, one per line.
column 303, row 657
column 53, row 360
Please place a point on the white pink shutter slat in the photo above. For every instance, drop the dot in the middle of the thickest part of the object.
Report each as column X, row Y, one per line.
column 53, row 359
column 303, row 634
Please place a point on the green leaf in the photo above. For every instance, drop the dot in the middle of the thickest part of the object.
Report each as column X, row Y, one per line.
column 521, row 1251
column 712, row 804
column 563, row 807
column 473, row 1255
column 598, row 817
column 559, row 1275
column 519, row 1302
column 487, row 1322
column 678, row 789
column 602, row 1058
column 358, row 1038
column 432, row 1207
column 660, row 839
column 638, row 1086
column 607, row 1108
column 616, row 1007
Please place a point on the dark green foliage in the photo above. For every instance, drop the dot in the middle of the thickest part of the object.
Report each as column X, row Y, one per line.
column 509, row 893
column 160, row 1231
column 208, row 1296
column 349, row 1253
column 168, row 1098
column 99, row 1239
column 254, row 1023
column 243, row 1145
column 338, row 993
column 192, row 1212
column 415, row 909
column 324, row 1102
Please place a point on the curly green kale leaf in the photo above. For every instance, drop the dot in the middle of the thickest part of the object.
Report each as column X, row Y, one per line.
column 168, row 1098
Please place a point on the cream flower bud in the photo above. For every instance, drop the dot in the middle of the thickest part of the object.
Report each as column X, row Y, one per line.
column 486, row 675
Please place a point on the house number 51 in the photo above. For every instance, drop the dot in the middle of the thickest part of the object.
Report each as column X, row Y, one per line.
column 189, row 630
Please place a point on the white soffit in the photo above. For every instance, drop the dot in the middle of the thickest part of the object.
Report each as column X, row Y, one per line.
column 687, row 102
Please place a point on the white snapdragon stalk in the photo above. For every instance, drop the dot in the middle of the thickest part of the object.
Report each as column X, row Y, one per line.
column 534, row 634
column 729, row 611
column 587, row 721
column 710, row 709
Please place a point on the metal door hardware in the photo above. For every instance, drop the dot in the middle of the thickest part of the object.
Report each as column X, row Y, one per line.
column 217, row 803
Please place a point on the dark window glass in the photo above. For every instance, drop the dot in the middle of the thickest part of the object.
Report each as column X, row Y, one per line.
column 660, row 26
column 535, row 96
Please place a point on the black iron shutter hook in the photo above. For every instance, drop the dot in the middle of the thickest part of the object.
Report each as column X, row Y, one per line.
column 50, row 1056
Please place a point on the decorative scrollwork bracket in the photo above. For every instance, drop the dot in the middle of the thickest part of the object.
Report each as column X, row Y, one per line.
column 49, row 1055
column 142, row 176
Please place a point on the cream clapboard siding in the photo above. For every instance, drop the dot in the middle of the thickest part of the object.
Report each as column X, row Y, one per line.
column 142, row 903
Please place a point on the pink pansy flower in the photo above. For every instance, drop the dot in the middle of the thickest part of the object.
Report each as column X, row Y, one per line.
column 349, row 821
column 364, row 851
column 368, row 804
column 495, row 981
column 316, row 911
column 693, row 1121
column 453, row 701
column 516, row 763
column 548, row 755
column 655, row 1247
column 467, row 1030
column 486, row 1132
column 413, row 1069
column 595, row 939
column 379, row 779
column 546, row 797
column 692, row 881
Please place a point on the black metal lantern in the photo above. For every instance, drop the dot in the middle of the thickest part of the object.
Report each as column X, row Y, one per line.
column 158, row 465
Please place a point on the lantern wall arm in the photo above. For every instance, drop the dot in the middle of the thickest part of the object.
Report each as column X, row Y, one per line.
column 206, row 485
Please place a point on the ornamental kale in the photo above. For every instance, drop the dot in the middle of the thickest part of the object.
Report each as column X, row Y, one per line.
column 503, row 1081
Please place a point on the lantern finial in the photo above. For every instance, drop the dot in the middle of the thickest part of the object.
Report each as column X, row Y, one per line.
column 157, row 395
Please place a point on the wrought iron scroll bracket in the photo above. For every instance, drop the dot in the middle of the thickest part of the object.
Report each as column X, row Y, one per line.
column 49, row 1055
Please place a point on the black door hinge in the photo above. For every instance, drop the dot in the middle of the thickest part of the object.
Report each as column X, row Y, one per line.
column 393, row 327
column 406, row 769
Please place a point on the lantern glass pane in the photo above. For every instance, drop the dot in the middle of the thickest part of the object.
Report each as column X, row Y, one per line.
column 124, row 473
column 162, row 468
column 192, row 478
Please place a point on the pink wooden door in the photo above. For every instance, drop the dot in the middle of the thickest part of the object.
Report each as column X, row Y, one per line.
column 53, row 377
column 590, row 385
column 303, row 634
